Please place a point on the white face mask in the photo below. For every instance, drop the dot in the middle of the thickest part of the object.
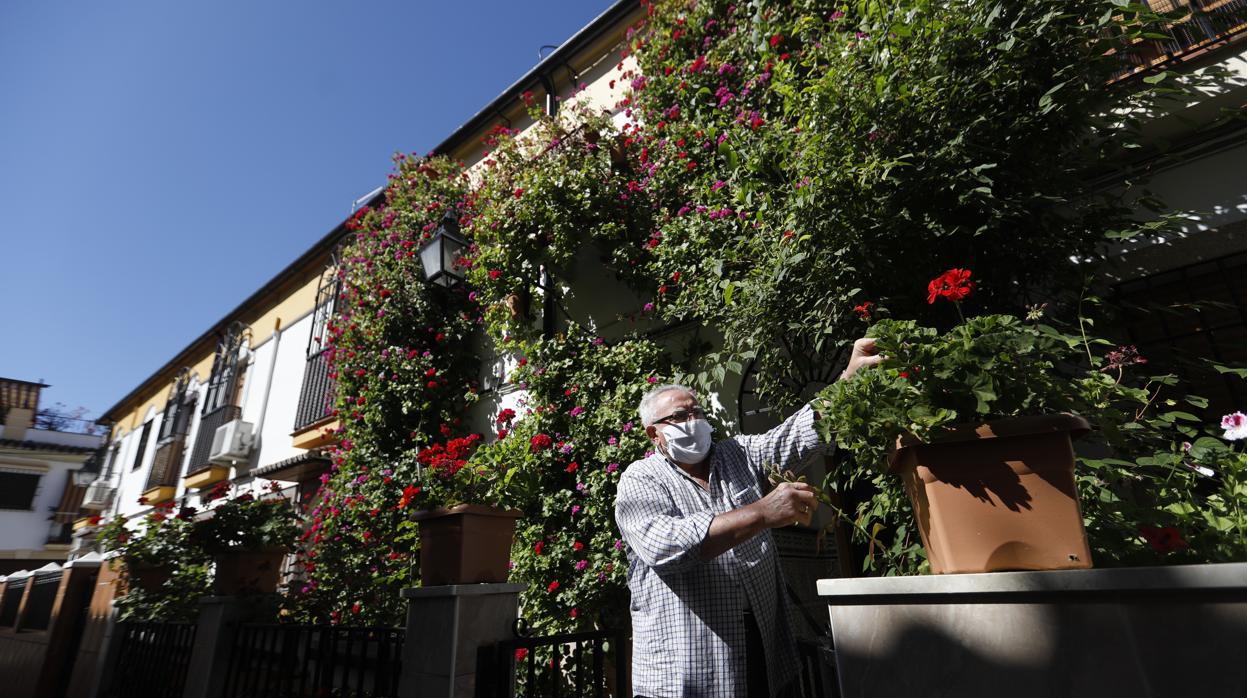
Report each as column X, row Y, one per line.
column 688, row 442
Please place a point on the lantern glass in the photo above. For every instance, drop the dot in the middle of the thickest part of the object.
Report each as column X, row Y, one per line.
column 438, row 255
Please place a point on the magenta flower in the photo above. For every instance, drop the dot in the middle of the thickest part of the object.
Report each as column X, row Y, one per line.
column 581, row 565
column 612, row 467
column 575, row 509
column 577, row 411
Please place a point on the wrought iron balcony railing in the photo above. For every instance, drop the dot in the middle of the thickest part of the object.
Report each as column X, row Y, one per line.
column 1199, row 26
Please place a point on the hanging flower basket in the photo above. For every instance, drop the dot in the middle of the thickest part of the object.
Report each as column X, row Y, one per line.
column 997, row 496
column 465, row 544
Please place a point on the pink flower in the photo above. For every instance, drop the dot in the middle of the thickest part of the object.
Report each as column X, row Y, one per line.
column 1235, row 426
column 581, row 565
column 612, row 467
column 577, row 411
column 575, row 509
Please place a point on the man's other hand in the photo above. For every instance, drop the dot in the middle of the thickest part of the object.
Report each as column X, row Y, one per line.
column 864, row 354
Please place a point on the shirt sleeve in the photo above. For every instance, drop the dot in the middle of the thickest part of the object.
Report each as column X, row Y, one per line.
column 656, row 531
column 787, row 445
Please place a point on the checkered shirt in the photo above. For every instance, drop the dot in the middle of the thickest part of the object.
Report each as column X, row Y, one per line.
column 688, row 632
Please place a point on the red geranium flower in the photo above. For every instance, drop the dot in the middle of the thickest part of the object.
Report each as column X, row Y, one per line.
column 505, row 416
column 1163, row 540
column 409, row 492
column 953, row 285
column 537, row 548
column 540, row 442
column 571, row 468
column 520, row 653
column 553, row 587
column 863, row 310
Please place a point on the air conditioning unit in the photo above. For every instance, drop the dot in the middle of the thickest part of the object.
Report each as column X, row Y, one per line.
column 231, row 443
column 99, row 495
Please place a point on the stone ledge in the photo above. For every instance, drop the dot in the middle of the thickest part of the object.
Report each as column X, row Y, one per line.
column 1230, row 576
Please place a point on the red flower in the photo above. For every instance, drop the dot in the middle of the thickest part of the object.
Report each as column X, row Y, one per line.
column 553, row 587
column 1163, row 540
column 505, row 416
column 863, row 310
column 775, row 39
column 537, row 548
column 573, row 613
column 356, row 608
column 520, row 653
column 95, row 520
column 540, row 442
column 142, row 500
column 571, row 468
column 578, row 546
column 494, row 273
column 904, row 374
column 519, row 191
column 409, row 492
column 502, row 434
column 953, row 285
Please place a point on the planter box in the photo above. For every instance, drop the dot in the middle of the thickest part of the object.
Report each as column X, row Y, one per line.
column 998, row 496
column 248, row 572
column 465, row 544
column 1112, row 633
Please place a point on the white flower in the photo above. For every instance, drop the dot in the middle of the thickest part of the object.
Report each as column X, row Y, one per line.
column 1235, row 426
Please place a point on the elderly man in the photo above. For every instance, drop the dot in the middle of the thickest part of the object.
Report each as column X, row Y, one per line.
column 708, row 615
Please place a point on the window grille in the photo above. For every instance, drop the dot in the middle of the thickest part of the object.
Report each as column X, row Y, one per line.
column 178, row 408
column 142, row 449
column 225, row 381
column 316, row 398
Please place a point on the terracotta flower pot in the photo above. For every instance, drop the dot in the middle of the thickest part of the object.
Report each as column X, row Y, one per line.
column 148, row 577
column 998, row 496
column 465, row 544
column 248, row 571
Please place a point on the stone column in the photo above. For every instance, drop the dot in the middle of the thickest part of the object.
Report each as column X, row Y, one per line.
column 446, row 628
column 219, row 617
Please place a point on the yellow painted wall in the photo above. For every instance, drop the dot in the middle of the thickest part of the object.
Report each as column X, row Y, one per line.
column 288, row 306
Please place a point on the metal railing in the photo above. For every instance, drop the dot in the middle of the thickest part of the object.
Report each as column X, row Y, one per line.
column 167, row 463
column 319, row 392
column 208, row 425
column 573, row 665
column 151, row 661
column 314, row 660
column 1199, row 25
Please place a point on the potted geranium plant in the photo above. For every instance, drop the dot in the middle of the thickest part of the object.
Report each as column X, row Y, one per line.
column 151, row 554
column 248, row 537
column 978, row 423
column 466, row 530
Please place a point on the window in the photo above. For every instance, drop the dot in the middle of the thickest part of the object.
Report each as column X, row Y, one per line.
column 142, row 449
column 17, row 490
column 319, row 390
column 225, row 380
column 178, row 408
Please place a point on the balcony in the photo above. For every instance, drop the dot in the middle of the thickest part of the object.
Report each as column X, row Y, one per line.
column 199, row 463
column 99, row 495
column 1206, row 26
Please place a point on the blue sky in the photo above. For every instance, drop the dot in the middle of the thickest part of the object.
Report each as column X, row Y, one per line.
column 160, row 161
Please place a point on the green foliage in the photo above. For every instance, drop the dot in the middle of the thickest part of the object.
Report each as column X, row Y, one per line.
column 1132, row 477
column 807, row 156
column 165, row 542
column 583, row 393
column 245, row 522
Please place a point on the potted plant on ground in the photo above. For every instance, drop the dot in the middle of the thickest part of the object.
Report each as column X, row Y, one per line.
column 248, row 537
column 978, row 423
column 466, row 531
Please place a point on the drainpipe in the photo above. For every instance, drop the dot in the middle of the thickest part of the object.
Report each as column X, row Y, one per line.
column 268, row 387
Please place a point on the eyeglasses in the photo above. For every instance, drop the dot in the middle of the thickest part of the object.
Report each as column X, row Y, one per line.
column 681, row 416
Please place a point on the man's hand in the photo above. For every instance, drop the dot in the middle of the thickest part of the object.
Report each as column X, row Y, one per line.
column 788, row 504
column 864, row 354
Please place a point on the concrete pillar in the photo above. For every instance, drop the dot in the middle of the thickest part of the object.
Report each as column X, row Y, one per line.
column 446, row 628
column 66, row 624
column 219, row 617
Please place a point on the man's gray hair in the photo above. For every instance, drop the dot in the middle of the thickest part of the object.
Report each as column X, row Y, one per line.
column 650, row 401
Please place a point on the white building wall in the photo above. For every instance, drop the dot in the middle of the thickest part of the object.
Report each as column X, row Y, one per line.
column 274, row 443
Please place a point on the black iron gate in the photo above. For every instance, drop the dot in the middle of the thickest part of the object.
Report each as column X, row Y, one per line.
column 573, row 665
